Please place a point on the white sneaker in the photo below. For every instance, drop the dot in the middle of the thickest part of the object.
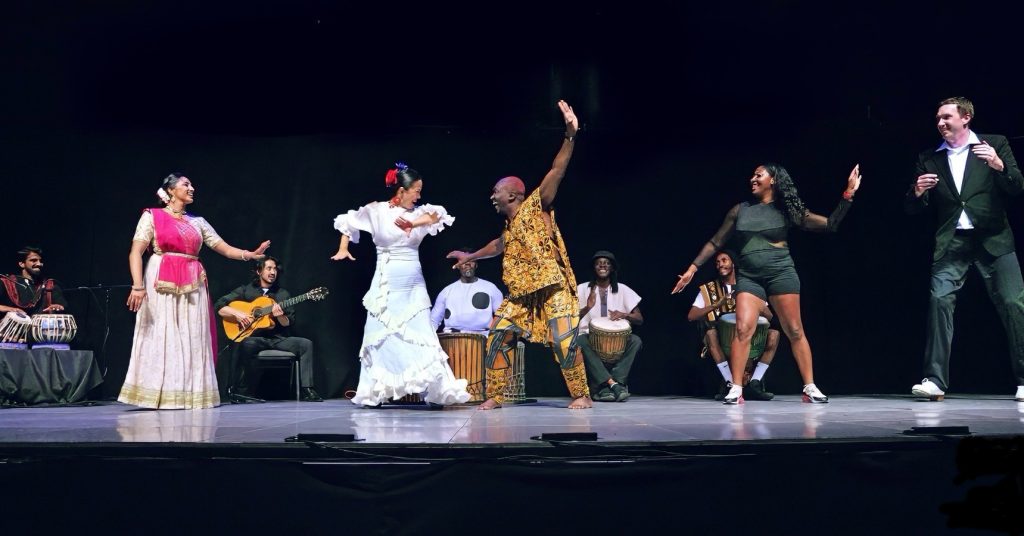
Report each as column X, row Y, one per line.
column 735, row 395
column 1019, row 397
column 928, row 389
column 813, row 395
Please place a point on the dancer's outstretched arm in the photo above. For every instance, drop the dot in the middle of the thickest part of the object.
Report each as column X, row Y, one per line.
column 549, row 186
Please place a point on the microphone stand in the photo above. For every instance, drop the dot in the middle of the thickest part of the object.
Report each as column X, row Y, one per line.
column 106, row 314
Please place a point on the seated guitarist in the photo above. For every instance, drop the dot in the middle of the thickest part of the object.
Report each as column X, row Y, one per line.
column 276, row 337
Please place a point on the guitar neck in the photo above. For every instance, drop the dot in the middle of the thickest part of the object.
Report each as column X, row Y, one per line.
column 293, row 300
column 263, row 311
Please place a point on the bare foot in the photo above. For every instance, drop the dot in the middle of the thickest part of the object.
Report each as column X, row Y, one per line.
column 488, row 404
column 582, row 402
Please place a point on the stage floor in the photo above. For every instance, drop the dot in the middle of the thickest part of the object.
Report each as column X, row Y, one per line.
column 413, row 469
column 640, row 420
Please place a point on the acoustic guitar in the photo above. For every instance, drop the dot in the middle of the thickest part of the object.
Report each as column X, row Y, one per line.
column 261, row 309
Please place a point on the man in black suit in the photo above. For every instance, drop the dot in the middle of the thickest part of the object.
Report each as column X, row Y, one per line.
column 278, row 337
column 968, row 181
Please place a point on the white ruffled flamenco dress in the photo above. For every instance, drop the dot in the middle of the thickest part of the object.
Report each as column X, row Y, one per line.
column 400, row 353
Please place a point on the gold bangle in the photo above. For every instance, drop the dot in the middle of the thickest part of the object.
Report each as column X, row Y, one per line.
column 242, row 255
column 138, row 288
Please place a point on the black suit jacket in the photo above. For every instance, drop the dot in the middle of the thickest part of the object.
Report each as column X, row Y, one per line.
column 984, row 195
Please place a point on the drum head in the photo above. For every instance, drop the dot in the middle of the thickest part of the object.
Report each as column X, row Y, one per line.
column 607, row 324
column 731, row 318
column 461, row 335
column 16, row 317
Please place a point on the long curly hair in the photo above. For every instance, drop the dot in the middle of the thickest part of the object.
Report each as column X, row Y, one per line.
column 786, row 198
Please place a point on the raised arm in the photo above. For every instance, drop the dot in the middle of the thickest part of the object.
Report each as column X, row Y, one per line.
column 549, row 186
column 816, row 222
column 590, row 303
column 492, row 249
column 709, row 249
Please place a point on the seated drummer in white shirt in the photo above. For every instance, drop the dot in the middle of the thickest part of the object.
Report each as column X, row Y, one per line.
column 700, row 310
column 467, row 305
column 604, row 296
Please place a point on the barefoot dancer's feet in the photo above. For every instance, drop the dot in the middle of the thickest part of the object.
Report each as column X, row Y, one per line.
column 489, row 404
column 582, row 402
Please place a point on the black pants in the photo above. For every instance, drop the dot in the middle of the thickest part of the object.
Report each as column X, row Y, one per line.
column 246, row 351
column 1003, row 282
column 598, row 372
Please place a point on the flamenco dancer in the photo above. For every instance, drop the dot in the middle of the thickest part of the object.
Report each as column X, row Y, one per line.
column 400, row 353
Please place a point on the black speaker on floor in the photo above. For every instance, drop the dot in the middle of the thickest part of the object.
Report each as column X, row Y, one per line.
column 321, row 438
column 567, row 436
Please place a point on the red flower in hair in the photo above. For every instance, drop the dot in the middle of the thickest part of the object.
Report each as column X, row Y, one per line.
column 391, row 178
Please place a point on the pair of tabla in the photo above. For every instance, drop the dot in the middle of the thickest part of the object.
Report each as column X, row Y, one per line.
column 15, row 328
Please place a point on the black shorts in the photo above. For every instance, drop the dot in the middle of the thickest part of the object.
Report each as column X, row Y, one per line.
column 768, row 272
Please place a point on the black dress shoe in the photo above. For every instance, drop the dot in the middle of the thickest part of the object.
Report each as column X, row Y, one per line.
column 310, row 395
column 236, row 398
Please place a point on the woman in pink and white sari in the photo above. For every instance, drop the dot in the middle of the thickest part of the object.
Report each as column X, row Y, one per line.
column 175, row 346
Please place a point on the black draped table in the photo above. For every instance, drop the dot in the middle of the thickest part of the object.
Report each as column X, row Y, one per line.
column 47, row 376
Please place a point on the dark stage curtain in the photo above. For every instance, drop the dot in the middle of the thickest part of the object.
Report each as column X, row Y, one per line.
column 47, row 376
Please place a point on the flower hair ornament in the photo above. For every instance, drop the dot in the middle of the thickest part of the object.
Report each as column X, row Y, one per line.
column 163, row 195
column 391, row 177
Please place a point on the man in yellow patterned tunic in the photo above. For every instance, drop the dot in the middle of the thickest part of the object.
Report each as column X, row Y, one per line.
column 541, row 303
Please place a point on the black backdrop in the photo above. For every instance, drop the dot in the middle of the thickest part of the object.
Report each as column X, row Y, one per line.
column 286, row 113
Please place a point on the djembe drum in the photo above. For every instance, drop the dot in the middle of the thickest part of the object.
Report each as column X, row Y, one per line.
column 726, row 332
column 53, row 331
column 608, row 338
column 14, row 328
column 466, row 358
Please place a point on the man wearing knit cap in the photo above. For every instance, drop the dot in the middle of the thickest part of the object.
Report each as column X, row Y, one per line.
column 605, row 297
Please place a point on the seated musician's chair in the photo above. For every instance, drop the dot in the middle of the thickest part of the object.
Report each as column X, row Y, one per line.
column 280, row 359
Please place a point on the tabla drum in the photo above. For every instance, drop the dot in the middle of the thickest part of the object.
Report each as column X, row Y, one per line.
column 466, row 358
column 608, row 338
column 14, row 328
column 53, row 330
column 727, row 330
